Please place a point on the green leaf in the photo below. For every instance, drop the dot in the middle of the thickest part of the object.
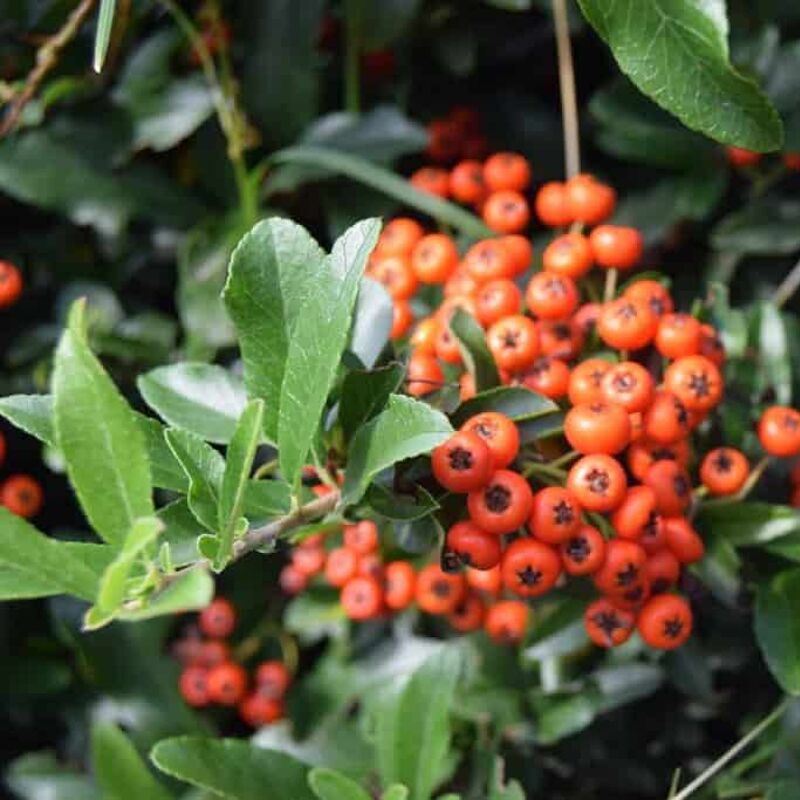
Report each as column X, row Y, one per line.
column 111, row 592
column 516, row 402
column 747, row 524
column 474, row 351
column 636, row 129
column 233, row 768
column 313, row 615
column 52, row 567
column 372, row 322
column 395, row 792
column 676, row 53
column 47, row 171
column 239, row 463
column 204, row 467
column 204, row 399
column 191, row 590
column 181, row 530
column 560, row 716
column 166, row 470
column 32, row 413
column 105, row 23
column 413, row 729
column 777, row 628
column 164, row 109
column 38, row 776
column 281, row 39
column 380, row 135
column 386, row 182
column 499, row 789
column 272, row 271
column 97, row 433
column 406, row 506
column 775, row 369
column 764, row 227
column 119, row 769
column 404, row 429
column 317, row 342
column 364, row 395
column 418, row 535
column 327, row 784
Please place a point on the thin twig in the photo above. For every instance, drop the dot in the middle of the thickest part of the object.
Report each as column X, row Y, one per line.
column 46, row 58
column 258, row 537
column 566, row 80
column 727, row 757
column 789, row 285
column 611, row 286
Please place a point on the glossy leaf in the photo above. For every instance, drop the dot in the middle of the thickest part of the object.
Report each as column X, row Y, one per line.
column 38, row 776
column 111, row 592
column 766, row 227
column 400, row 506
column 677, row 54
column 281, row 39
column 97, row 432
column 119, row 769
column 750, row 523
column 365, row 393
column 516, row 402
column 413, row 728
column 232, row 768
column 477, row 357
column 372, row 322
column 204, row 467
column 317, row 341
column 404, row 429
column 386, row 182
column 32, row 413
column 380, row 135
column 204, row 399
column 777, row 628
column 191, row 590
column 272, row 271
column 52, row 567
column 235, row 479
column 164, row 109
column 327, row 784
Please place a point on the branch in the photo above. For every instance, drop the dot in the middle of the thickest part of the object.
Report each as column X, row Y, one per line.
column 258, row 537
column 566, row 80
column 46, row 59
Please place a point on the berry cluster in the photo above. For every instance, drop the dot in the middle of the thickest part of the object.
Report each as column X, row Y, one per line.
column 369, row 587
column 212, row 676
column 634, row 376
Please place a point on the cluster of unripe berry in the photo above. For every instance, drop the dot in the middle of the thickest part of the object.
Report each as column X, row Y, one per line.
column 211, row 675
column 20, row 494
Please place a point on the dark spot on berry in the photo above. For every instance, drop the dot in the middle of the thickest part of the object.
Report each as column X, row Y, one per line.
column 563, row 513
column 624, row 382
column 626, row 311
column 441, row 588
column 460, row 459
column 791, row 422
column 628, row 576
column 699, row 384
column 498, row 498
column 673, row 627
column 510, row 339
column 598, row 481
column 723, row 463
column 596, row 376
column 681, row 485
column 529, row 576
column 450, row 561
column 578, row 549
